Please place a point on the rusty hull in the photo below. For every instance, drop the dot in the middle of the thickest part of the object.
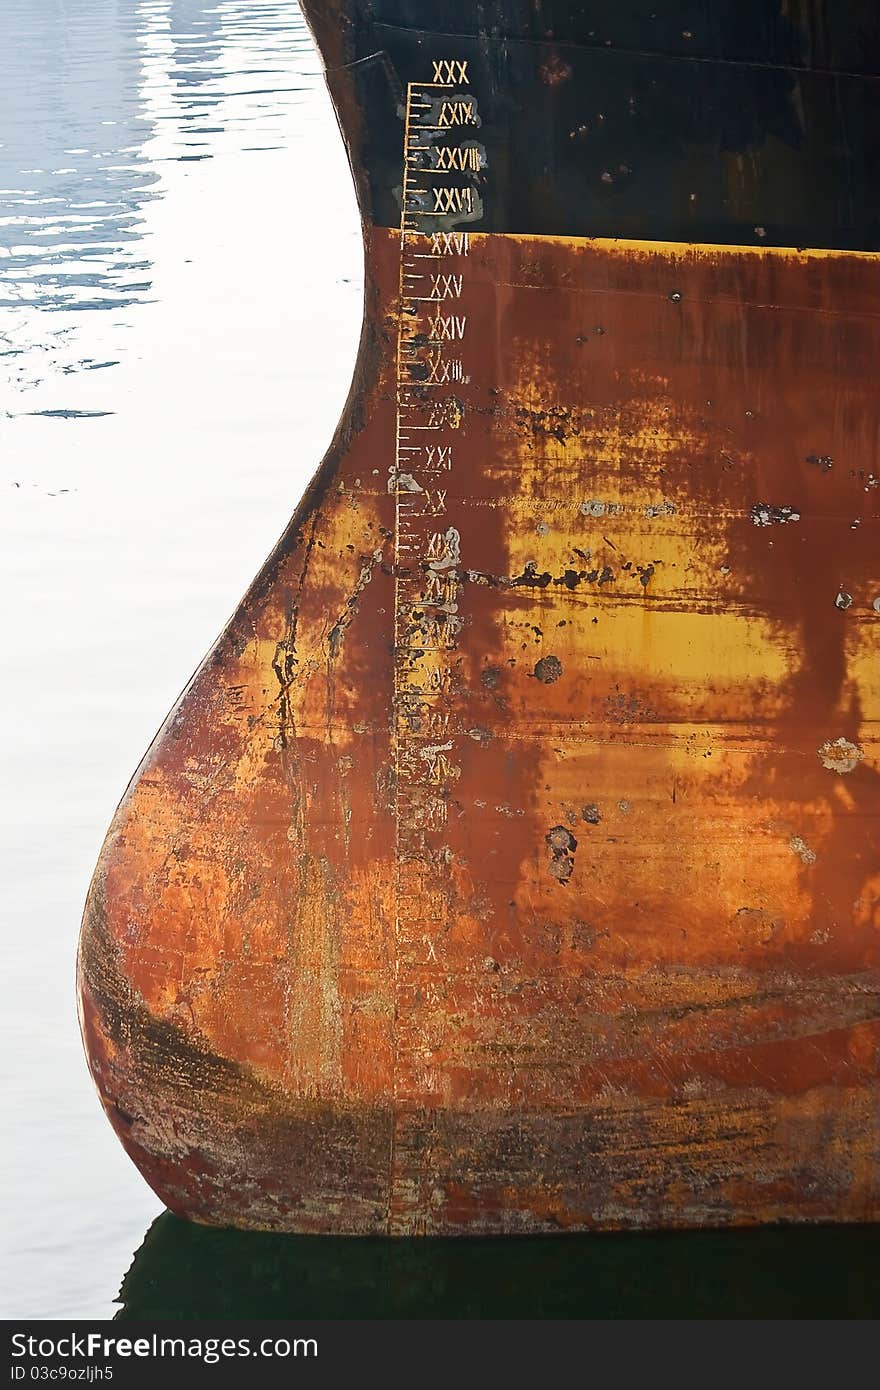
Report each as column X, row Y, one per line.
column 530, row 881
column 654, row 1001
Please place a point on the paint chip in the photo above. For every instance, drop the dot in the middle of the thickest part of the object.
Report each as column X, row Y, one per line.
column 765, row 514
column 802, row 849
column 839, row 755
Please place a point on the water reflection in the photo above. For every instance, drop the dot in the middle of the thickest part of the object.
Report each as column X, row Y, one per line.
column 188, row 1271
column 176, row 344
column 95, row 97
column 72, row 184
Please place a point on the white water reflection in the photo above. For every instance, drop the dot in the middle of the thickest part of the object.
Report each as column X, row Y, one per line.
column 180, row 293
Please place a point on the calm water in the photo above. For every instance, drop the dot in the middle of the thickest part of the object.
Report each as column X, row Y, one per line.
column 176, row 342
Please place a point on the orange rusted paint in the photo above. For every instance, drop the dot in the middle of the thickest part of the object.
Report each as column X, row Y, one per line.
column 630, row 977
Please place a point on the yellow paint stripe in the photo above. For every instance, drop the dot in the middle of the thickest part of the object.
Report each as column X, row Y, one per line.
column 695, row 249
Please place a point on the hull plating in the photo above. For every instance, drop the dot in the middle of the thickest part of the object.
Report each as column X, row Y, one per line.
column 511, row 864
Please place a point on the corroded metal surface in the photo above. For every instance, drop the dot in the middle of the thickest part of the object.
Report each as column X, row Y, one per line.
column 512, row 861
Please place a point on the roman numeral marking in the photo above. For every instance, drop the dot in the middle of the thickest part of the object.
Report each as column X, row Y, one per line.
column 447, row 414
column 450, row 72
column 440, row 680
column 441, row 591
column 448, row 328
column 439, row 456
column 444, row 549
column 466, row 159
column 433, row 636
column 461, row 112
column 434, row 503
column 438, row 769
column 442, row 370
column 450, row 243
column 453, row 200
column 445, row 286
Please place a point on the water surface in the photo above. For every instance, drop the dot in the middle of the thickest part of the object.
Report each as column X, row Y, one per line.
column 178, row 323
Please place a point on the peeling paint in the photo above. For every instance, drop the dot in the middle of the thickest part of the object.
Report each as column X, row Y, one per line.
column 840, row 755
column 764, row 514
column 548, row 669
column 800, row 847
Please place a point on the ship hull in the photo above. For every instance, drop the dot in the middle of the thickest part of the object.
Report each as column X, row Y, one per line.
column 511, row 863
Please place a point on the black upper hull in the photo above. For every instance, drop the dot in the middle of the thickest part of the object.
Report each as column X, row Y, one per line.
column 729, row 123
